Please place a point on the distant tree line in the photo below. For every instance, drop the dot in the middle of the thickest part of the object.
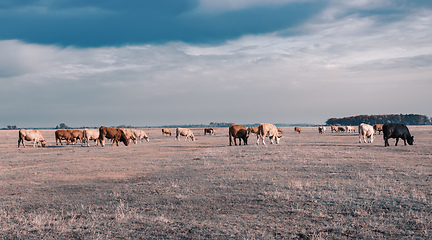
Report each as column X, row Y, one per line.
column 216, row 124
column 408, row 119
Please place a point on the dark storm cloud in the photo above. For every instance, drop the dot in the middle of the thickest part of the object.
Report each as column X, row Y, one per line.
column 104, row 23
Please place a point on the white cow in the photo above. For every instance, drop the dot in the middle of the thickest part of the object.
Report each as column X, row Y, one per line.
column 184, row 132
column 31, row 135
column 350, row 129
column 366, row 131
column 271, row 130
column 90, row 134
column 140, row 135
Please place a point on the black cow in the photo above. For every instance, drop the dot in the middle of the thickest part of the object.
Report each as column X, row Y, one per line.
column 397, row 130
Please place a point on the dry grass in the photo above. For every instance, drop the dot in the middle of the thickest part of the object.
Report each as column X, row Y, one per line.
column 310, row 186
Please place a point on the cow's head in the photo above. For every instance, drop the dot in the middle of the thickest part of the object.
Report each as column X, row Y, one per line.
column 124, row 139
column 192, row 137
column 410, row 140
column 43, row 143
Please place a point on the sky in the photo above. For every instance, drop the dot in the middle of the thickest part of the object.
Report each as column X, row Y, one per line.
column 168, row 62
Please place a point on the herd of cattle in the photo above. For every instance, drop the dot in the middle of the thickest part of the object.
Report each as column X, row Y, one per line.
column 125, row 135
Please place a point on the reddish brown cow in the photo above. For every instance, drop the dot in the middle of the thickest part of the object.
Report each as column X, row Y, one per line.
column 237, row 131
column 64, row 134
column 115, row 134
column 297, row 129
column 252, row 130
column 378, row 128
column 341, row 129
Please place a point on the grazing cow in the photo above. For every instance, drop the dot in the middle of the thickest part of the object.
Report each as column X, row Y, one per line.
column 90, row 134
column 130, row 135
column 366, row 132
column 280, row 129
column 341, row 129
column 297, row 129
column 252, row 130
column 321, row 130
column 64, row 134
column 334, row 129
column 115, row 134
column 140, row 135
column 271, row 130
column 184, row 132
column 233, row 131
column 31, row 135
column 350, row 129
column 166, row 131
column 378, row 128
column 77, row 135
column 210, row 131
column 397, row 130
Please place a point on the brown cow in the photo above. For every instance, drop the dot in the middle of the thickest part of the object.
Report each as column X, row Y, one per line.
column 166, row 131
column 64, row 134
column 341, row 129
column 271, row 130
column 90, row 134
column 130, row 135
column 77, row 135
column 184, row 132
column 115, row 134
column 297, row 129
column 31, row 135
column 210, row 131
column 378, row 128
column 233, row 131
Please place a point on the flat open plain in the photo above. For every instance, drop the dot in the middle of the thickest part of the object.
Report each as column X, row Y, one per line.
column 310, row 186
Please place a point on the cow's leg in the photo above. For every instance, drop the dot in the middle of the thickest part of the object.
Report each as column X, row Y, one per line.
column 34, row 143
column 258, row 138
column 19, row 141
column 386, row 143
column 397, row 140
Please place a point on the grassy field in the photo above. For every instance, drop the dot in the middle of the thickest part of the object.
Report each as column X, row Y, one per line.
column 310, row 186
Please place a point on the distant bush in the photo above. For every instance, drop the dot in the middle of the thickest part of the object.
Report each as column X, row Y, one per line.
column 408, row 119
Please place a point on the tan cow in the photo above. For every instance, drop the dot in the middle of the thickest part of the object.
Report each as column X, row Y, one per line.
column 334, row 129
column 31, row 135
column 210, row 131
column 271, row 130
column 378, row 128
column 166, row 131
column 64, row 134
column 252, row 130
column 184, row 132
column 115, row 134
column 140, row 135
column 90, row 134
column 240, row 132
column 77, row 135
column 130, row 135
column 366, row 131
column 321, row 130
column 297, row 129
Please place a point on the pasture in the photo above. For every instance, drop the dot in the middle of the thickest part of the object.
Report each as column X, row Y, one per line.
column 310, row 186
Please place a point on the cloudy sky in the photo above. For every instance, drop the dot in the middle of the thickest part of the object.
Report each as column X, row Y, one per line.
column 151, row 63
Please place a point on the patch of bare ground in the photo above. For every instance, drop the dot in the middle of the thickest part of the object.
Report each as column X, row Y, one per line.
column 310, row 186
